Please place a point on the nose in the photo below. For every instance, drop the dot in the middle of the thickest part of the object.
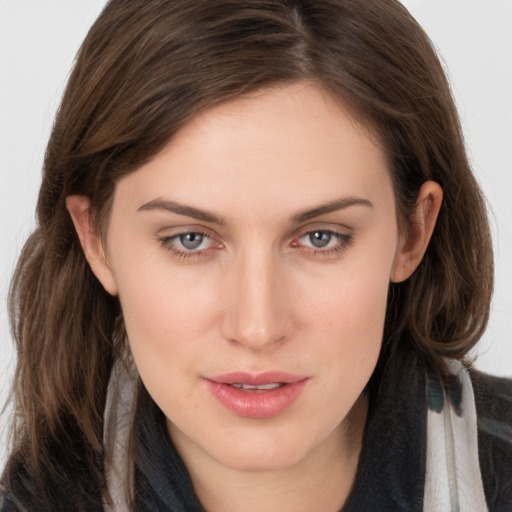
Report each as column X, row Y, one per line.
column 257, row 314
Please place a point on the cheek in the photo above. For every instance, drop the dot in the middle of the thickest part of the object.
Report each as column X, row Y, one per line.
column 164, row 313
column 167, row 312
column 346, row 319
column 166, row 332
column 350, row 300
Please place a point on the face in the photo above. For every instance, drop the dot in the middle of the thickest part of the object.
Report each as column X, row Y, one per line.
column 252, row 258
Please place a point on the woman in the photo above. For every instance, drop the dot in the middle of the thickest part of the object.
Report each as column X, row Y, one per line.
column 260, row 264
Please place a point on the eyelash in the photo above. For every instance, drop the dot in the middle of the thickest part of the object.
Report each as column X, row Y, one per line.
column 168, row 241
column 343, row 241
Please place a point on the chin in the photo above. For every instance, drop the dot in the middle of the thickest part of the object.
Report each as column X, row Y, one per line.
column 263, row 460
column 263, row 451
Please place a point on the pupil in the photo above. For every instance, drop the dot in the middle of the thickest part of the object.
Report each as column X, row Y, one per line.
column 191, row 240
column 320, row 238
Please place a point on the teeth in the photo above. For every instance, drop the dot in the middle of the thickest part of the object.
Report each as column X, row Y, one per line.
column 260, row 387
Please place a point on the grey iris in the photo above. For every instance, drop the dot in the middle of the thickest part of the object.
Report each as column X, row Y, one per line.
column 191, row 240
column 320, row 238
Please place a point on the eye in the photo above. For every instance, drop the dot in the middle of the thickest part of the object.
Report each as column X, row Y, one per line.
column 320, row 239
column 188, row 244
column 323, row 241
column 191, row 241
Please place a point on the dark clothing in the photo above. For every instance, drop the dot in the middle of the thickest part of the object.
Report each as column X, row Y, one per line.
column 493, row 397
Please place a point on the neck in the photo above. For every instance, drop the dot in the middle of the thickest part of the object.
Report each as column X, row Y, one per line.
column 320, row 481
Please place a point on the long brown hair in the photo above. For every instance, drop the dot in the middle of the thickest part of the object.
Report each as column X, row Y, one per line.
column 144, row 70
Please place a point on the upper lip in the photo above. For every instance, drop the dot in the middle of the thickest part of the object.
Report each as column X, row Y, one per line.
column 256, row 379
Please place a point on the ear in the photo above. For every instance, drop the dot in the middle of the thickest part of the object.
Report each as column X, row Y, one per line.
column 92, row 245
column 413, row 244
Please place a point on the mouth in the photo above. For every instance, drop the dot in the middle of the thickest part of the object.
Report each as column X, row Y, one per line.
column 262, row 395
column 260, row 388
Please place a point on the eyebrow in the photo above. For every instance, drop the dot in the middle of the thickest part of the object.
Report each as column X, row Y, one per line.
column 330, row 207
column 213, row 218
column 181, row 209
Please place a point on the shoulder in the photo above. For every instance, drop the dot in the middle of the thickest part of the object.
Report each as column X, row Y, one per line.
column 493, row 399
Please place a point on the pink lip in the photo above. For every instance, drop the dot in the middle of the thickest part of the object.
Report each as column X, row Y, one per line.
column 256, row 404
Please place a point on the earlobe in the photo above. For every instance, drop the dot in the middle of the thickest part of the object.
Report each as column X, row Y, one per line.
column 79, row 209
column 414, row 243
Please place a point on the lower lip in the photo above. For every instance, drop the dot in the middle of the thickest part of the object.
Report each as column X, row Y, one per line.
column 256, row 404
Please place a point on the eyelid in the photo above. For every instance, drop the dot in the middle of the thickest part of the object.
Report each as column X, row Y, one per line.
column 167, row 239
column 175, row 231
column 343, row 235
column 335, row 234
column 337, row 229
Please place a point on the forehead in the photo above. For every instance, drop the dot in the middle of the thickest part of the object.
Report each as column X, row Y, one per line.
column 290, row 145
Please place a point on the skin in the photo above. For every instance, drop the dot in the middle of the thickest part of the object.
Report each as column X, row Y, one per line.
column 257, row 294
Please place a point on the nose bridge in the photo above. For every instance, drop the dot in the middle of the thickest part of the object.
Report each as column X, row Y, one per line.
column 256, row 315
